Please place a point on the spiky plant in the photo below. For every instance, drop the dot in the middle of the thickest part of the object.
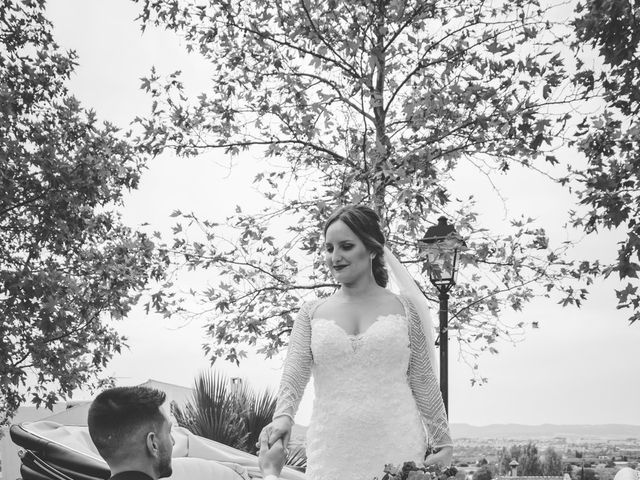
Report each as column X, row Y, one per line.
column 297, row 458
column 214, row 411
column 233, row 414
column 259, row 410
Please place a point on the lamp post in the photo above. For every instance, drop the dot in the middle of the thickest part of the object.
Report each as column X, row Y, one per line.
column 441, row 243
column 236, row 385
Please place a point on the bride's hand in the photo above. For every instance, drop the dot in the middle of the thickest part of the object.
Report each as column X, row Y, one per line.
column 442, row 457
column 280, row 427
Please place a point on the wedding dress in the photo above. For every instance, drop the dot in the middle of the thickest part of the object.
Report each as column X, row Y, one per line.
column 376, row 394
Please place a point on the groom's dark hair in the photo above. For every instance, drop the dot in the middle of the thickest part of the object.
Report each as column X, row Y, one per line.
column 365, row 223
column 118, row 414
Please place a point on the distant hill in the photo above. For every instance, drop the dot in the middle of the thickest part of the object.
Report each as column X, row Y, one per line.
column 517, row 431
column 514, row 430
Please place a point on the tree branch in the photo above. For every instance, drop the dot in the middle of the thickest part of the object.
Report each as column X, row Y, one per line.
column 322, row 39
column 22, row 203
column 271, row 38
column 258, row 291
column 337, row 90
column 250, row 143
column 410, row 19
column 493, row 294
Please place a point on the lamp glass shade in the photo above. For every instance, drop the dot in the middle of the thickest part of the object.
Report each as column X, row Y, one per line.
column 442, row 263
column 441, row 245
column 442, row 257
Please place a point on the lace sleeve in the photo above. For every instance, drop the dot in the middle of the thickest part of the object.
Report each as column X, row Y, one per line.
column 297, row 366
column 424, row 383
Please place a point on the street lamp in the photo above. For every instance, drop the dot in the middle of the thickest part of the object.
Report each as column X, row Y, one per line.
column 441, row 244
column 236, row 385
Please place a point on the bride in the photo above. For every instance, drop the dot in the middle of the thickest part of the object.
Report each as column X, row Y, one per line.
column 377, row 399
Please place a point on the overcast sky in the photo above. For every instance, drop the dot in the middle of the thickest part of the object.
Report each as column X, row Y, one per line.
column 580, row 366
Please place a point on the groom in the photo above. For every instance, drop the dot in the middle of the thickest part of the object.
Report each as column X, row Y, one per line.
column 132, row 432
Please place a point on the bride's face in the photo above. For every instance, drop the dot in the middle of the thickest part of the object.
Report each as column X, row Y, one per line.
column 345, row 254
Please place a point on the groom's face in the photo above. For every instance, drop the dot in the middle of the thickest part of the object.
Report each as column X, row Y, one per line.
column 165, row 447
column 346, row 256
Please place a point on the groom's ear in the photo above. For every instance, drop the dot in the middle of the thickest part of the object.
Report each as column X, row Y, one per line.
column 151, row 441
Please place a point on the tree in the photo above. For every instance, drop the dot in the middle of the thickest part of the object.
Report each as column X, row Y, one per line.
column 551, row 462
column 507, row 456
column 606, row 473
column 483, row 473
column 461, row 475
column 527, row 457
column 66, row 260
column 230, row 413
column 586, row 474
column 568, row 468
column 529, row 461
column 380, row 102
column 609, row 185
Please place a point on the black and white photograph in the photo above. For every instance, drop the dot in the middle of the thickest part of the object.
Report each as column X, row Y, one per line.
column 320, row 240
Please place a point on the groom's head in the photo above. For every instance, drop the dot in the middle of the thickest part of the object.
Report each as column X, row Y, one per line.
column 131, row 431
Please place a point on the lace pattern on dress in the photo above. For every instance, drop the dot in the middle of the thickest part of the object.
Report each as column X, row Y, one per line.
column 422, row 379
column 297, row 366
column 424, row 383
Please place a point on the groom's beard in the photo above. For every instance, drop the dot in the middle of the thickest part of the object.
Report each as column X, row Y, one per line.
column 164, row 465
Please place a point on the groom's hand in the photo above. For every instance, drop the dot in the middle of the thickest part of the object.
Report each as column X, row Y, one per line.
column 271, row 460
column 442, row 457
column 279, row 428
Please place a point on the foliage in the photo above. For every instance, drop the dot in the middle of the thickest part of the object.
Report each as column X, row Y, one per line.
column 606, row 473
column 66, row 260
column 461, row 475
column 483, row 473
column 232, row 413
column 506, row 456
column 527, row 457
column 529, row 461
column 551, row 463
column 259, row 410
column 381, row 102
column 410, row 471
column 216, row 411
column 586, row 474
column 609, row 185
column 297, row 458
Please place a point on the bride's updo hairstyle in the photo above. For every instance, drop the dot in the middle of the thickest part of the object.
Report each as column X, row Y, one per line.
column 365, row 223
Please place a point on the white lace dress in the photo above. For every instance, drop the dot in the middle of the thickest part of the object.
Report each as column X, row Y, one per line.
column 376, row 395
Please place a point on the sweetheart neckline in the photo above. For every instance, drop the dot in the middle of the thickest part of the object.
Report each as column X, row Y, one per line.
column 354, row 336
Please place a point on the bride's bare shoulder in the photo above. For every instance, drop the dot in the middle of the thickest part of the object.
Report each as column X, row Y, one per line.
column 322, row 306
column 393, row 302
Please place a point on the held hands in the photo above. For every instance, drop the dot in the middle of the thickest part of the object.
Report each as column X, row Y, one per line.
column 279, row 428
column 271, row 460
column 442, row 457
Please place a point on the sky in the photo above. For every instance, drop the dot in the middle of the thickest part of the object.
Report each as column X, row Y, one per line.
column 580, row 367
